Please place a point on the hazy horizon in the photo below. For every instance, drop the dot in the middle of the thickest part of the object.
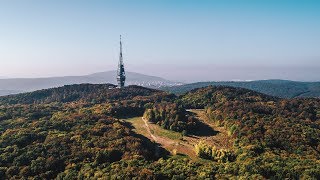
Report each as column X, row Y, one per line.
column 186, row 41
column 200, row 77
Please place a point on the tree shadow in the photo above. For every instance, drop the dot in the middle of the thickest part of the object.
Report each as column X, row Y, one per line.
column 202, row 129
column 155, row 150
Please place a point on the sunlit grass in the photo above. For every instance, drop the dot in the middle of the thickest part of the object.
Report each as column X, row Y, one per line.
column 166, row 133
column 139, row 125
column 134, row 119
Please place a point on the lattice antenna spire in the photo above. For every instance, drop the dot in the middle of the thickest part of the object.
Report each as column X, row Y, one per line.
column 121, row 58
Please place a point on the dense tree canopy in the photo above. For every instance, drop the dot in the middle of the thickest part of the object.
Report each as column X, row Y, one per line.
column 76, row 132
column 45, row 144
column 171, row 116
column 277, row 88
column 86, row 93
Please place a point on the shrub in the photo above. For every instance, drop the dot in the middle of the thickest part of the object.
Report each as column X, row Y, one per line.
column 206, row 151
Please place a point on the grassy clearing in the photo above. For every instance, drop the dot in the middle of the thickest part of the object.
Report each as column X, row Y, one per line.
column 139, row 125
column 134, row 119
column 140, row 128
column 175, row 143
column 166, row 133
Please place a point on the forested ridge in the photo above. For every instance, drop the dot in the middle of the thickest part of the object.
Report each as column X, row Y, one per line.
column 290, row 125
column 277, row 88
column 95, row 93
column 78, row 132
column 266, row 129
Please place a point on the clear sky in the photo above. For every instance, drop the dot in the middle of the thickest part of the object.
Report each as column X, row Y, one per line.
column 186, row 40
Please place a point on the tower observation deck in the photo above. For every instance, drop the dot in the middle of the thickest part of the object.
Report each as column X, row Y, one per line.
column 121, row 75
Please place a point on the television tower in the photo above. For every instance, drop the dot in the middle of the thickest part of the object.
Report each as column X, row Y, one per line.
column 121, row 75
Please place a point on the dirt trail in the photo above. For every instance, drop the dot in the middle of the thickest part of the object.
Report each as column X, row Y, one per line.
column 149, row 131
column 221, row 140
column 172, row 145
column 185, row 145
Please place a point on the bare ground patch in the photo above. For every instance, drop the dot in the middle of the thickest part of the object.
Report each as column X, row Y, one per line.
column 178, row 144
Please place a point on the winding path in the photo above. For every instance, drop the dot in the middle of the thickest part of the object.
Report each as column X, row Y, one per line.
column 149, row 131
column 185, row 145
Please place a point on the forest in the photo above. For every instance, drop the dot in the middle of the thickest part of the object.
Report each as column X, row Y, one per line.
column 273, row 87
column 81, row 132
column 171, row 116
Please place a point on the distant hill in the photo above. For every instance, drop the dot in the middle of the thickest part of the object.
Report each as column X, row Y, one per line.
column 8, row 92
column 99, row 93
column 18, row 85
column 201, row 97
column 278, row 88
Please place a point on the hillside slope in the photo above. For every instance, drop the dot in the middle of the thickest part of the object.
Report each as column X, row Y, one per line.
column 202, row 97
column 95, row 93
column 62, row 133
column 278, row 88
column 85, row 132
column 64, row 139
column 256, row 119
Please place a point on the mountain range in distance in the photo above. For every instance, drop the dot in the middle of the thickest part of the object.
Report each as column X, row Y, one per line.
column 18, row 85
column 278, row 88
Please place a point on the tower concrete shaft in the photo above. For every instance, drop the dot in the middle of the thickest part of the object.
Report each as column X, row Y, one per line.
column 121, row 75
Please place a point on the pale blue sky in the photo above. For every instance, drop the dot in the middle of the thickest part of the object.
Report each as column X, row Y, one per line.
column 199, row 39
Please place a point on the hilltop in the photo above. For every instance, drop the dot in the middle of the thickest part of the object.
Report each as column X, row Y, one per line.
column 98, row 131
column 98, row 93
column 278, row 88
column 261, row 120
column 201, row 97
